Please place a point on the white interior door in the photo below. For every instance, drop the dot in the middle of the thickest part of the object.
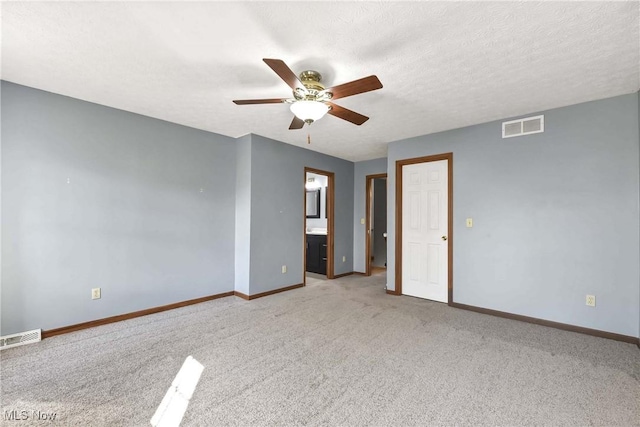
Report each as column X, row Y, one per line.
column 424, row 230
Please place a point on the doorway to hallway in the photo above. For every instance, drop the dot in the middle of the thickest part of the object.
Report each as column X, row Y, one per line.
column 376, row 223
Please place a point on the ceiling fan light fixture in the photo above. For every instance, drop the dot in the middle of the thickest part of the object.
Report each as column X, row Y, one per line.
column 309, row 111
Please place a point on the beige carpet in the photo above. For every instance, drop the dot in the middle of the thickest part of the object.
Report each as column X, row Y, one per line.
column 338, row 352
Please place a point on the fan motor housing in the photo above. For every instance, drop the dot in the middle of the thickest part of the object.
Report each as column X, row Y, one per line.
column 310, row 79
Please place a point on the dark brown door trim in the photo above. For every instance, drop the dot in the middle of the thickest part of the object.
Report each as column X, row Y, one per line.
column 398, row 266
column 367, row 231
column 331, row 179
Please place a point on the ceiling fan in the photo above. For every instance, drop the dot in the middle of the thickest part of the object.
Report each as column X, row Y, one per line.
column 311, row 100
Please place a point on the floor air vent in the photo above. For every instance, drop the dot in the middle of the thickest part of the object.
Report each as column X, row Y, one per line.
column 522, row 127
column 20, row 339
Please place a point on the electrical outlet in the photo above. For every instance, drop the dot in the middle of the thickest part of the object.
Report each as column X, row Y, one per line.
column 344, row 259
column 591, row 300
column 469, row 222
column 284, row 269
column 95, row 293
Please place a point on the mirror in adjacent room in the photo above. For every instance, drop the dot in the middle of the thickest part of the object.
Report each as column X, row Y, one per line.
column 313, row 203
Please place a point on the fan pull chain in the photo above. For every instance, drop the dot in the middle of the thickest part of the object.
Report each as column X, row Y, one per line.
column 309, row 138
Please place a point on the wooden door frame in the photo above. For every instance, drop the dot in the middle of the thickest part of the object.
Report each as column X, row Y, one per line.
column 398, row 231
column 367, row 209
column 330, row 211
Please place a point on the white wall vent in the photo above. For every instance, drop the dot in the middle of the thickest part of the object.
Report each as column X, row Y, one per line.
column 22, row 338
column 524, row 126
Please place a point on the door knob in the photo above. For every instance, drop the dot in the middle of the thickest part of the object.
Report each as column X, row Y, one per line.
column 444, row 237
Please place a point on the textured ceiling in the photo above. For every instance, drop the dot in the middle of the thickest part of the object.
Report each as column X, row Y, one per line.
column 443, row 65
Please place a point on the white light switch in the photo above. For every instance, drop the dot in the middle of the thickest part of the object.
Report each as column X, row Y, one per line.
column 361, row 220
column 469, row 222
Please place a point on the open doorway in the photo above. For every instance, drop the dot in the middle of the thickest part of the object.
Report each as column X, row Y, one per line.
column 376, row 223
column 318, row 224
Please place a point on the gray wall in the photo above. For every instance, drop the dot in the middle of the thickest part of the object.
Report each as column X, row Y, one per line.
column 277, row 211
column 132, row 219
column 379, row 222
column 243, row 215
column 154, row 213
column 1, row 213
column 555, row 215
column 361, row 170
